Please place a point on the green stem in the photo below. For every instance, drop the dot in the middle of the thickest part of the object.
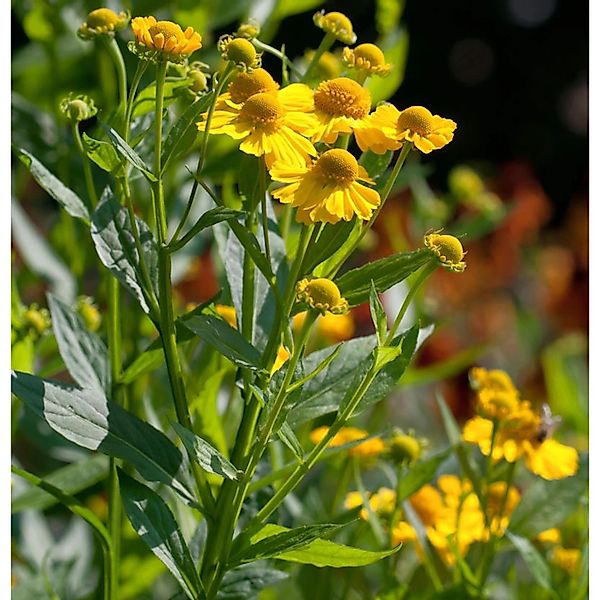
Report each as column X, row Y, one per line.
column 280, row 55
column 167, row 314
column 87, row 170
column 137, row 76
column 115, row 53
column 325, row 44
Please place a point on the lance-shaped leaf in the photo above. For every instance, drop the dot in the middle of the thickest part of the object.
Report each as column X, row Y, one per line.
column 102, row 153
column 355, row 285
column 246, row 581
column 323, row 553
column 125, row 150
column 84, row 353
column 155, row 524
column 115, row 245
column 86, row 418
column 272, row 541
column 208, row 457
column 224, row 338
column 65, row 196
column 537, row 566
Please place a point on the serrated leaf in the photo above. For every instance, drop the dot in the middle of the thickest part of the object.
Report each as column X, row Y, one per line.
column 83, row 352
column 86, row 418
column 355, row 285
column 272, row 540
column 71, row 479
column 65, row 196
column 224, row 338
column 125, row 150
column 115, row 245
column 533, row 559
column 246, row 581
column 546, row 504
column 175, row 141
column 323, row 553
column 208, row 457
column 155, row 524
column 102, row 153
column 419, row 474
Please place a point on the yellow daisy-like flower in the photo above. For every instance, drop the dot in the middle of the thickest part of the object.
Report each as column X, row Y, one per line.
column 102, row 21
column 239, row 51
column 367, row 58
column 448, row 250
column 322, row 295
column 522, row 435
column 549, row 536
column 269, row 124
column 336, row 24
column 334, row 328
column 368, row 449
column 228, row 313
column 414, row 124
column 568, row 559
column 328, row 189
column 341, row 105
column 497, row 397
column 247, row 84
column 164, row 40
column 283, row 355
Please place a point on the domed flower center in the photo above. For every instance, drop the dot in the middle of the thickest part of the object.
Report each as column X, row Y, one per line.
column 448, row 246
column 369, row 53
column 323, row 291
column 248, row 84
column 167, row 28
column 262, row 109
column 337, row 24
column 101, row 17
column 338, row 165
column 343, row 97
column 405, row 448
column 241, row 51
column 417, row 119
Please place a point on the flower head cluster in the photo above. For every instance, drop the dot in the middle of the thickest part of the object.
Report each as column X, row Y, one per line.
column 322, row 295
column 336, row 24
column 367, row 58
column 510, row 429
column 368, row 449
column 448, row 250
column 102, row 21
column 163, row 40
column 240, row 51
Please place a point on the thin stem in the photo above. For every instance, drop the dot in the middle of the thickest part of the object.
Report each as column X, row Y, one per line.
column 137, row 76
column 262, row 192
column 87, row 170
column 117, row 58
column 280, row 55
column 325, row 44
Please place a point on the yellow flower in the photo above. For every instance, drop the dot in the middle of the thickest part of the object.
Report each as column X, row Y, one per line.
column 522, row 435
column 89, row 312
column 239, row 51
column 382, row 502
column 402, row 533
column 164, row 40
column 102, row 21
column 549, row 536
column 322, row 295
column 367, row 58
column 227, row 313
column 496, row 494
column 247, row 84
column 336, row 24
column 369, row 448
column 282, row 357
column 497, row 397
column 448, row 250
column 37, row 319
column 415, row 124
column 328, row 189
column 334, row 328
column 568, row 559
column 341, row 105
column 268, row 123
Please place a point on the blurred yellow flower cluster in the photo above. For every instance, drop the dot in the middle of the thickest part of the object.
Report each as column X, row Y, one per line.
column 368, row 449
column 509, row 428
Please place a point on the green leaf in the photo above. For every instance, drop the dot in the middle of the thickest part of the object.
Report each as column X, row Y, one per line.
column 376, row 164
column 125, row 150
column 102, row 153
column 244, row 582
column 332, row 238
column 156, row 525
column 323, row 553
column 208, row 457
column 533, row 559
column 378, row 315
column 224, row 338
column 272, row 540
column 184, row 131
column 288, row 437
column 86, row 418
column 65, row 196
column 450, row 424
column 71, row 479
column 115, row 245
column 395, row 48
column 332, row 262
column 84, row 353
column 419, row 474
column 547, row 504
column 355, row 285
column 39, row 256
column 286, row 8
column 145, row 101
